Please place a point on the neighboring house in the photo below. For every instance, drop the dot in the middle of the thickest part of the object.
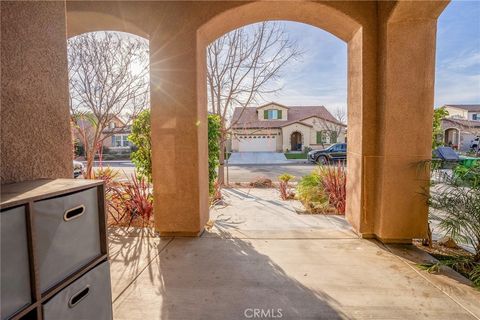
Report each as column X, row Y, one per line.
column 459, row 133
column 463, row 111
column 461, row 126
column 115, row 134
column 277, row 128
column 118, row 141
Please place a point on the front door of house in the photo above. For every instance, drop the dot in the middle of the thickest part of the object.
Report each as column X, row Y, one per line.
column 296, row 141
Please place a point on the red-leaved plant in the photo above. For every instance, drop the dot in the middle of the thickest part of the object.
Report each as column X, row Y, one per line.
column 133, row 202
column 334, row 183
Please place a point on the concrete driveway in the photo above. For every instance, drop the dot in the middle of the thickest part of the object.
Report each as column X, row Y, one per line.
column 249, row 173
column 261, row 257
column 257, row 158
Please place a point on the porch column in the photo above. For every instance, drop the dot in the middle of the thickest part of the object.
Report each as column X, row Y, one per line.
column 179, row 130
column 35, row 124
column 405, row 92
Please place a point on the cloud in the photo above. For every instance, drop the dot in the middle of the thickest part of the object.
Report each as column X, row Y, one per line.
column 320, row 77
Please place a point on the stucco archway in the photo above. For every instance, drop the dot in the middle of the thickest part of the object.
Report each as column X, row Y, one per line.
column 360, row 69
column 452, row 137
column 391, row 63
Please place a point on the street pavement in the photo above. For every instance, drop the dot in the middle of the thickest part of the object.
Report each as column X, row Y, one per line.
column 235, row 173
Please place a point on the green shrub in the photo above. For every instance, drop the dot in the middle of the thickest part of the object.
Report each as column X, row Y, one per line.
column 213, row 150
column 437, row 132
column 311, row 193
column 141, row 138
column 468, row 176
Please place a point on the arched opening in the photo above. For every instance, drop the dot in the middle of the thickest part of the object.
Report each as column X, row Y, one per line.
column 296, row 141
column 330, row 19
column 452, row 138
column 109, row 106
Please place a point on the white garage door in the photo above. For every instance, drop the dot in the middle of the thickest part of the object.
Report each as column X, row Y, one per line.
column 257, row 144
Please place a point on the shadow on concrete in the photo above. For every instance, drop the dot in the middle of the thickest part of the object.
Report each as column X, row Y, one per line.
column 131, row 253
column 218, row 278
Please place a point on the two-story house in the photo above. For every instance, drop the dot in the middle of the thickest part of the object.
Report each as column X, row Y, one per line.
column 462, row 126
column 277, row 128
column 463, row 111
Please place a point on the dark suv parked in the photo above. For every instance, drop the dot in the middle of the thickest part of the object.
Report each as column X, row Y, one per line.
column 335, row 152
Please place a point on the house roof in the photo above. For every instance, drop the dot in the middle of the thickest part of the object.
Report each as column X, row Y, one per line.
column 463, row 122
column 119, row 130
column 249, row 118
column 270, row 103
column 467, row 107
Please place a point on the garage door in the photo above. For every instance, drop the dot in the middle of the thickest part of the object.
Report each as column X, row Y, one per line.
column 257, row 144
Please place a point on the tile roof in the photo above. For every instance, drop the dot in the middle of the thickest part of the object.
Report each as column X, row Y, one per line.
column 119, row 130
column 249, row 118
column 468, row 107
column 464, row 122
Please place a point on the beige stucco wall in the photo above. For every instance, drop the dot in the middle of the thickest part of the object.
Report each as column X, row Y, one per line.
column 322, row 125
column 471, row 113
column 35, row 129
column 296, row 127
column 261, row 112
column 309, row 134
column 457, row 113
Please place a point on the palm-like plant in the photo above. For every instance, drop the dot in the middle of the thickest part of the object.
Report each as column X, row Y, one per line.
column 457, row 209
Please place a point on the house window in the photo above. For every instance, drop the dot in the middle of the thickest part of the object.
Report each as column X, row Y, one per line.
column 120, row 141
column 321, row 137
column 327, row 136
column 273, row 114
column 475, row 116
column 333, row 137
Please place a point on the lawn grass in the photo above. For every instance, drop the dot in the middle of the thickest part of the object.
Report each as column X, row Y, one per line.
column 290, row 155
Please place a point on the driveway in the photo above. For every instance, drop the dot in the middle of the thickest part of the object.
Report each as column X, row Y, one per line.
column 248, row 173
column 257, row 158
column 261, row 257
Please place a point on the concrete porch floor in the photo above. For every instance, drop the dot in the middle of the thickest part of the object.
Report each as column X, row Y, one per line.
column 261, row 254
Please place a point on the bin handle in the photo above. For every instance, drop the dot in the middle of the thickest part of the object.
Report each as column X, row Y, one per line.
column 79, row 296
column 74, row 213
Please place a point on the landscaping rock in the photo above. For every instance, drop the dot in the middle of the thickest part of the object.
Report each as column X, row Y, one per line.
column 448, row 242
column 261, row 183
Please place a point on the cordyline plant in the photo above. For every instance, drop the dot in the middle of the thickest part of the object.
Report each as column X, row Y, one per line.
column 133, row 201
column 334, row 180
column 284, row 186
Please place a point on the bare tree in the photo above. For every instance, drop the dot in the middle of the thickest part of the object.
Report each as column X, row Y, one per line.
column 108, row 77
column 332, row 128
column 243, row 66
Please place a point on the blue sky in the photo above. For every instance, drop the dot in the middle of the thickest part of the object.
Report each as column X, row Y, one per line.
column 321, row 78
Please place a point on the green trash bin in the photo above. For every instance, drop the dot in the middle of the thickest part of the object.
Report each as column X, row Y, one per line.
column 468, row 161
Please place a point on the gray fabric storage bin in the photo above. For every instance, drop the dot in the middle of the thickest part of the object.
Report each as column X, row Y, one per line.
column 15, row 275
column 88, row 298
column 68, row 235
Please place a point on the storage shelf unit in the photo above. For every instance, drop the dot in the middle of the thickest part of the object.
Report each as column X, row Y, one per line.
column 53, row 241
